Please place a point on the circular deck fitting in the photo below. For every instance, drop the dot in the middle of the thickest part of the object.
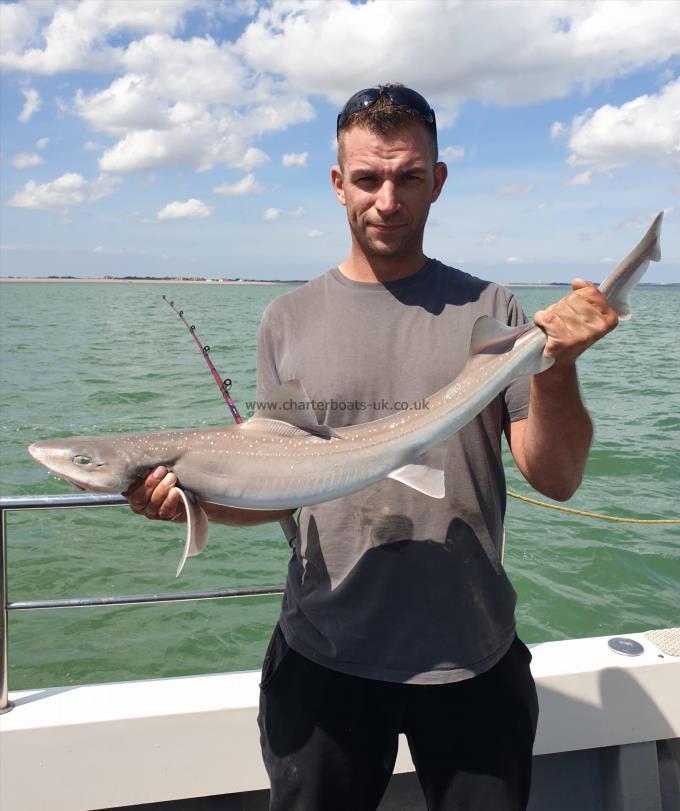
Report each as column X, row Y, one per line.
column 625, row 645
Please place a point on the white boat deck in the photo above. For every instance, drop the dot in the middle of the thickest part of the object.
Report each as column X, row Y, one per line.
column 608, row 739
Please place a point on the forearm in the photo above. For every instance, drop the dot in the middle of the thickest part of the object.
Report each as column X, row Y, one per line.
column 234, row 516
column 558, row 433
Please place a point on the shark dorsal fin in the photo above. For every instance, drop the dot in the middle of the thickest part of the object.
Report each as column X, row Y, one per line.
column 490, row 336
column 290, row 404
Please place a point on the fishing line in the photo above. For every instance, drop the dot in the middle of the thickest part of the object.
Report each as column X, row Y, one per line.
column 599, row 516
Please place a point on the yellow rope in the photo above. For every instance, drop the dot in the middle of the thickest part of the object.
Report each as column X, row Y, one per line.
column 594, row 515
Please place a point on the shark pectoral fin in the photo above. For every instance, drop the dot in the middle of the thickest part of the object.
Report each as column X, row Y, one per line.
column 197, row 528
column 490, row 336
column 422, row 478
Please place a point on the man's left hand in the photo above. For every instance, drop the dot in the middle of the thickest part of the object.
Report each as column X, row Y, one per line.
column 575, row 322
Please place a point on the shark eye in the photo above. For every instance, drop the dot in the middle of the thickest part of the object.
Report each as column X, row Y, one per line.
column 81, row 459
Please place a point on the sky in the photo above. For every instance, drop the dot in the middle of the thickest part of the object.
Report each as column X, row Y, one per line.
column 195, row 137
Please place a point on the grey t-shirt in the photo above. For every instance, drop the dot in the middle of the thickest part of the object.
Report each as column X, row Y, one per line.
column 389, row 583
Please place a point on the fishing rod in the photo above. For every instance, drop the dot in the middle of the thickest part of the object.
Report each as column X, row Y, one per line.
column 289, row 524
column 224, row 384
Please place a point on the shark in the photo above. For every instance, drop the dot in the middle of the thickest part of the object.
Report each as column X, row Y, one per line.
column 281, row 459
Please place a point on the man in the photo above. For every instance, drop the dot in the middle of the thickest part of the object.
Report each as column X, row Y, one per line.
column 398, row 616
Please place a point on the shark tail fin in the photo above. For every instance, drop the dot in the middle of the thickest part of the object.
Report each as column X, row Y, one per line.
column 646, row 251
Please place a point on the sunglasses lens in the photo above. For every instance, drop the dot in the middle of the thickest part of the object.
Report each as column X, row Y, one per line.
column 405, row 97
column 399, row 96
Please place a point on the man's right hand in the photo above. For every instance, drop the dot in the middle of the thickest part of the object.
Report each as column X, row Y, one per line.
column 155, row 498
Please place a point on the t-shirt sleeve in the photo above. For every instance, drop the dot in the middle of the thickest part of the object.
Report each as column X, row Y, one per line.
column 267, row 374
column 517, row 393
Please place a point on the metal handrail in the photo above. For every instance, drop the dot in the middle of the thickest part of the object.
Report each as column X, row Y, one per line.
column 71, row 501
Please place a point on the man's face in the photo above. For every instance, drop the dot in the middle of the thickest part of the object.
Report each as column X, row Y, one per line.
column 387, row 186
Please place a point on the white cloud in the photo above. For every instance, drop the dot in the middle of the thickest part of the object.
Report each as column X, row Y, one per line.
column 512, row 260
column 99, row 249
column 295, row 159
column 187, row 101
column 192, row 209
column 18, row 24
column 582, row 179
column 156, row 129
column 197, row 70
column 92, row 146
column 25, row 159
column 271, row 214
column 314, row 233
column 74, row 36
column 515, row 190
column 524, row 52
column 199, row 143
column 41, row 143
column 203, row 101
column 64, row 192
column 298, row 212
column 557, row 130
column 644, row 129
column 452, row 153
column 491, row 236
column 246, row 185
column 31, row 105
column 666, row 76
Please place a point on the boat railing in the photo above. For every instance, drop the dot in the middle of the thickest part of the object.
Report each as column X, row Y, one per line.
column 73, row 501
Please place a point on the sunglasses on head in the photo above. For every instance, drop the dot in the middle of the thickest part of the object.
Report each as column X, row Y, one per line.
column 399, row 96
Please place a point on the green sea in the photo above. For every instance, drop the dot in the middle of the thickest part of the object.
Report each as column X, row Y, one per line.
column 83, row 358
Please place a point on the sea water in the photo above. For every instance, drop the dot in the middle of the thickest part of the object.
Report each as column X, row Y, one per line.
column 84, row 358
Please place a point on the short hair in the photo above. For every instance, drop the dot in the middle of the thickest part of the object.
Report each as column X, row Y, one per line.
column 387, row 119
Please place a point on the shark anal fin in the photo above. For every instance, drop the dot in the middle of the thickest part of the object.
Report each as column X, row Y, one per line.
column 424, row 479
column 197, row 528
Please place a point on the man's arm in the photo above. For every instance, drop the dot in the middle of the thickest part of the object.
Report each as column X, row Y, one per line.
column 551, row 446
column 155, row 498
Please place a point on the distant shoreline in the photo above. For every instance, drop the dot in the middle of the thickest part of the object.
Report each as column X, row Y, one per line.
column 34, row 279
column 241, row 282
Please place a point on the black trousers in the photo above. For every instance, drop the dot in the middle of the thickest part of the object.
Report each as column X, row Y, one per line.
column 329, row 740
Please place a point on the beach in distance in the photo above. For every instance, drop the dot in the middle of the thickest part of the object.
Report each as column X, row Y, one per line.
column 110, row 280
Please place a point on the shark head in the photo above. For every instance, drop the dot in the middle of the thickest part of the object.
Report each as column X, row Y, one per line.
column 88, row 463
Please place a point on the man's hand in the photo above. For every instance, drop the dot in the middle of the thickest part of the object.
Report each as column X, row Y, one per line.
column 575, row 322
column 155, row 498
